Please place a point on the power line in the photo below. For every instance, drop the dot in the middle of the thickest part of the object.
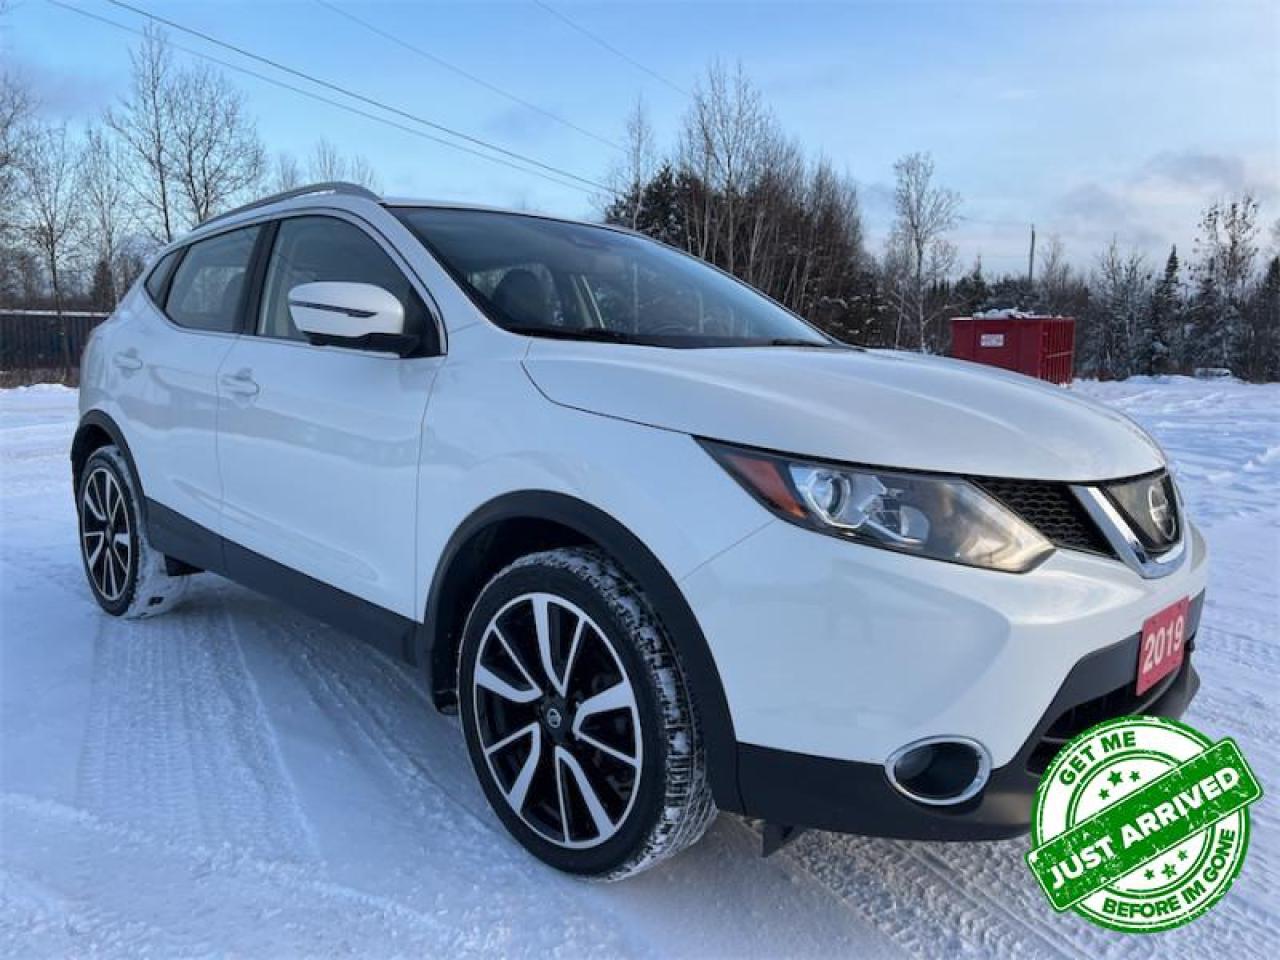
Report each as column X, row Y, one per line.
column 480, row 81
column 595, row 37
column 329, row 85
column 1020, row 224
column 413, row 131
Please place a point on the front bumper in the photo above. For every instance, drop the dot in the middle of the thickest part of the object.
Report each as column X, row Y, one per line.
column 833, row 655
column 850, row 797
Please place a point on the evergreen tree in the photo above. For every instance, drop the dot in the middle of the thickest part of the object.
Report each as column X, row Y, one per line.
column 1157, row 348
column 1205, row 340
column 1121, row 284
column 102, row 293
column 971, row 290
column 1261, row 351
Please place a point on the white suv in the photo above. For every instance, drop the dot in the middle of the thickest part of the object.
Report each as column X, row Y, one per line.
column 665, row 547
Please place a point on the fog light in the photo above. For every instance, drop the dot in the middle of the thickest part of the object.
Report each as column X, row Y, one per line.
column 939, row 770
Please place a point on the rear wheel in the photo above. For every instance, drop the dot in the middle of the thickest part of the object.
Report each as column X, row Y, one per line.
column 128, row 578
column 577, row 718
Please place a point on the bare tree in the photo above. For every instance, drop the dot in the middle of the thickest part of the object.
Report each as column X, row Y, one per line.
column 217, row 154
column 16, row 106
column 144, row 122
column 285, row 173
column 329, row 163
column 1055, row 276
column 637, row 166
column 104, row 198
column 361, row 171
column 722, row 144
column 50, row 214
column 925, row 212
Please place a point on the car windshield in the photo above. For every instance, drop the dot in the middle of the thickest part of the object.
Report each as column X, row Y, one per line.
column 549, row 278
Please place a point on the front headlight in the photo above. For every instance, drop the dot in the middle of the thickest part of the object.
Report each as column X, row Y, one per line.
column 945, row 518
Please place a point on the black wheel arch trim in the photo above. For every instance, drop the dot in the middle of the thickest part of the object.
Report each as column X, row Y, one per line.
column 432, row 644
column 98, row 419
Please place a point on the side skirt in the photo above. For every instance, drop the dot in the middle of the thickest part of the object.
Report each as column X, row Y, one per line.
column 179, row 538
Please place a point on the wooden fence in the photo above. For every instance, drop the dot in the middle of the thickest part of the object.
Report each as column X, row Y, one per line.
column 40, row 345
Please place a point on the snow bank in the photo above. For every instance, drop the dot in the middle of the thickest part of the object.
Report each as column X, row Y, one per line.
column 235, row 778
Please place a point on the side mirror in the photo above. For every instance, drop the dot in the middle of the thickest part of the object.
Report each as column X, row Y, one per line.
column 359, row 315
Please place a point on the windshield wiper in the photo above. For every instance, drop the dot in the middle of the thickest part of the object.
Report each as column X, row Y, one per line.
column 571, row 333
column 801, row 342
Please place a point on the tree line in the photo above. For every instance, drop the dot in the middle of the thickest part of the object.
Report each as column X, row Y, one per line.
column 80, row 212
column 735, row 190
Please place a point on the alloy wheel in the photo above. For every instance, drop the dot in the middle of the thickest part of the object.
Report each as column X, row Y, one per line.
column 557, row 720
column 105, row 535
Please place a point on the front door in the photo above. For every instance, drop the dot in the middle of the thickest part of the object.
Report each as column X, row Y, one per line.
column 319, row 445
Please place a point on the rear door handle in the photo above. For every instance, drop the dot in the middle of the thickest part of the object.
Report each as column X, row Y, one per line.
column 241, row 384
column 128, row 360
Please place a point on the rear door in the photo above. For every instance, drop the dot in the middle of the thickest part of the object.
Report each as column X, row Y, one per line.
column 165, row 367
column 319, row 445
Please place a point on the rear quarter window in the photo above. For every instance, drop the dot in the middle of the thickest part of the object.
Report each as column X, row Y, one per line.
column 158, row 279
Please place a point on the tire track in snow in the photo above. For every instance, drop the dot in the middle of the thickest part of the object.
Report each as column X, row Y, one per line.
column 219, row 901
column 931, row 906
column 393, row 729
column 177, row 739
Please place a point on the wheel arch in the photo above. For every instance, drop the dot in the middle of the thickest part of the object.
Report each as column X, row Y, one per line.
column 518, row 523
column 97, row 429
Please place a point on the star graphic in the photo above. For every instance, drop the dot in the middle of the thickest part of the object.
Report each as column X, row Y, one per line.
column 1135, row 776
column 1104, row 794
column 1182, row 854
column 1169, row 870
column 1116, row 778
column 1149, row 873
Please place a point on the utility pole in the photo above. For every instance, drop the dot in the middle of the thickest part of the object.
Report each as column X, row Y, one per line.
column 1031, row 261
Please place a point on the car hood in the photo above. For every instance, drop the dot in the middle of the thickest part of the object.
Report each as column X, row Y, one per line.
column 874, row 407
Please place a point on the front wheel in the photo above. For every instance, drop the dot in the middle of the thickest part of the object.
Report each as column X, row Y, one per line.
column 577, row 717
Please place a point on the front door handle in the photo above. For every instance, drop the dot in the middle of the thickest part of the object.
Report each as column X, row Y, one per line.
column 128, row 360
column 241, row 384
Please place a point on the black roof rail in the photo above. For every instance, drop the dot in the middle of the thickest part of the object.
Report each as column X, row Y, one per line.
column 331, row 186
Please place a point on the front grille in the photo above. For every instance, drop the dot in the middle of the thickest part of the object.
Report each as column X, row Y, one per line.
column 1053, row 510
column 1150, row 506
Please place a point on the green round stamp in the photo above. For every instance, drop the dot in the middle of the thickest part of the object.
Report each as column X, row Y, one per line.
column 1141, row 824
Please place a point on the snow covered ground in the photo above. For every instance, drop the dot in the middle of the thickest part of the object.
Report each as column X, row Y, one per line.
column 237, row 779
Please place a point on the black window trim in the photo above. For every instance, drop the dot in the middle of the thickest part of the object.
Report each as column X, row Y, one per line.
column 433, row 315
column 183, row 250
column 258, row 261
column 271, row 219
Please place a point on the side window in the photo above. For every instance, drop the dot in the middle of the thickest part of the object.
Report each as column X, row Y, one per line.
column 210, row 282
column 310, row 249
column 159, row 275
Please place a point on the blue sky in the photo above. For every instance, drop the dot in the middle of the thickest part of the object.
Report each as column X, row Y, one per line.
column 1090, row 119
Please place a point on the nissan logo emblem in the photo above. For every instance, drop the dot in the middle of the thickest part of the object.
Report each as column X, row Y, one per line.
column 1159, row 509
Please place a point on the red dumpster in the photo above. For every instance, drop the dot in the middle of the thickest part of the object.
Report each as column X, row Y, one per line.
column 1042, row 347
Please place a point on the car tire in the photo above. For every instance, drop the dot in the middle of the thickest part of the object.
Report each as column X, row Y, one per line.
column 127, row 576
column 578, row 719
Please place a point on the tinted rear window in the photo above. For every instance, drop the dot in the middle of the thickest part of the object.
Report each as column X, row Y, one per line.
column 210, row 282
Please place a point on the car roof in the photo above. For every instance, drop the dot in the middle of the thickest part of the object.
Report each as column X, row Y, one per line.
column 349, row 195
